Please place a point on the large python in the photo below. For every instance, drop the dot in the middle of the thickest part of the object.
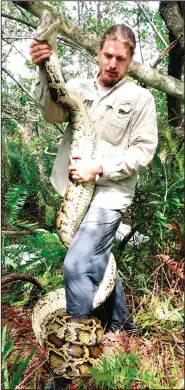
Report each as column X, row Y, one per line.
column 72, row 344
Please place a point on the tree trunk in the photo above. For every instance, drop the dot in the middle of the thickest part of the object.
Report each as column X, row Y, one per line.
column 172, row 12
column 175, row 67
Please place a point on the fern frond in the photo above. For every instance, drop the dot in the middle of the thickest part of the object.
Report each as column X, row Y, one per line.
column 171, row 148
column 176, row 266
column 15, row 200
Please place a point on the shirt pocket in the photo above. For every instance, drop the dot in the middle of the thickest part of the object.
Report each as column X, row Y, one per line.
column 117, row 120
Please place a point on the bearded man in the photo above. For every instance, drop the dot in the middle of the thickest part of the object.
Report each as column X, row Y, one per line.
column 124, row 119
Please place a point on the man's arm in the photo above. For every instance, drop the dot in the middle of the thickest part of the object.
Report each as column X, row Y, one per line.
column 51, row 111
column 143, row 143
column 124, row 163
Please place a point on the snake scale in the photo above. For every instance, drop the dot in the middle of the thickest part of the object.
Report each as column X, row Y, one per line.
column 72, row 345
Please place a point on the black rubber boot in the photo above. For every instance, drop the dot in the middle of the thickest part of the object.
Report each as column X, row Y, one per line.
column 129, row 327
column 56, row 384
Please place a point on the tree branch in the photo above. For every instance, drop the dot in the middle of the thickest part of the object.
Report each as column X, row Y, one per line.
column 164, row 53
column 30, row 375
column 151, row 23
column 157, row 80
column 17, row 82
column 20, row 52
column 69, row 43
column 18, row 233
column 50, row 154
column 21, row 10
column 18, row 20
column 7, row 279
column 9, row 51
column 30, row 96
column 66, row 28
column 17, row 38
column 138, row 32
column 143, row 73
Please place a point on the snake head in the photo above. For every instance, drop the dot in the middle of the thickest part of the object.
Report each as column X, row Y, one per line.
column 47, row 28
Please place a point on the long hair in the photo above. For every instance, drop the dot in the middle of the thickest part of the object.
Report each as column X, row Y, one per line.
column 119, row 32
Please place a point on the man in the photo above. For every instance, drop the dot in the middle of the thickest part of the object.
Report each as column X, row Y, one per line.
column 124, row 119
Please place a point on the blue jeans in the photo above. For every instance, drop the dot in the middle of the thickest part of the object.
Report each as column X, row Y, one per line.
column 85, row 264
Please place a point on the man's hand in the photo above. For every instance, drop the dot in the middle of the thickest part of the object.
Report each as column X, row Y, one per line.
column 84, row 171
column 39, row 51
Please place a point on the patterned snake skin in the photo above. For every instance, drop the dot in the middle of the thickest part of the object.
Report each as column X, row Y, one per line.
column 73, row 345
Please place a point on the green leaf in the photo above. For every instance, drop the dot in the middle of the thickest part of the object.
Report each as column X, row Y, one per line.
column 10, row 262
column 22, row 366
column 6, row 376
column 7, row 344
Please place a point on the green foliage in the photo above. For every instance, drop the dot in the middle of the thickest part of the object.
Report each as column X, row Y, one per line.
column 157, row 315
column 160, row 25
column 15, row 200
column 12, row 376
column 159, row 193
column 159, row 199
column 26, row 188
column 40, row 255
column 123, row 371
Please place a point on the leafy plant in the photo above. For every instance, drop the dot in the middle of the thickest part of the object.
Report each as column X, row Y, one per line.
column 122, row 371
column 12, row 376
column 156, row 314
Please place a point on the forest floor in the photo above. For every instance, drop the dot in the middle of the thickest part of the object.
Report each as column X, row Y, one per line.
column 37, row 371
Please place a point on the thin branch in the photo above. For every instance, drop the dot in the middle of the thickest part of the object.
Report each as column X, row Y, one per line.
column 17, row 82
column 21, row 10
column 58, row 127
column 9, row 51
column 166, row 182
column 30, row 96
column 127, row 238
column 20, row 52
column 98, row 18
column 30, row 375
column 50, row 154
column 164, row 53
column 17, row 38
column 7, row 279
column 13, row 45
column 64, row 41
column 175, row 266
column 5, row 118
column 73, row 45
column 139, row 38
column 18, row 20
column 151, row 23
column 174, row 184
column 18, row 233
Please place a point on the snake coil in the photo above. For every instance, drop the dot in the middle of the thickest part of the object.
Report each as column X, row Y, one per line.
column 73, row 345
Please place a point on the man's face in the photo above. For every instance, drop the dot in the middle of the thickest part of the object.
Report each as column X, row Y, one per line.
column 114, row 59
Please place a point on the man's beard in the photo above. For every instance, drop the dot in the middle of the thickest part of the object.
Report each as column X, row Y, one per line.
column 108, row 81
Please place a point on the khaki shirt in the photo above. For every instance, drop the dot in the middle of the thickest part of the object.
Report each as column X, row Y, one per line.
column 126, row 136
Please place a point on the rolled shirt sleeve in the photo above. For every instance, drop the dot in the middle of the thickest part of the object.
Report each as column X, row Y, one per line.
column 142, row 143
column 51, row 111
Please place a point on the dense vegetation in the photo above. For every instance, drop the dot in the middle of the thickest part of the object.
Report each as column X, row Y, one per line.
column 152, row 272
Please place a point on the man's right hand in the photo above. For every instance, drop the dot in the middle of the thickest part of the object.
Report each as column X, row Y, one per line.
column 39, row 51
